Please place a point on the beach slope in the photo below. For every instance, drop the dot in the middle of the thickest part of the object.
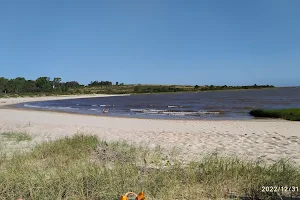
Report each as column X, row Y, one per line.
column 253, row 139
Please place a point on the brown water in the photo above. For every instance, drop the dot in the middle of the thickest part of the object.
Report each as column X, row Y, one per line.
column 202, row 105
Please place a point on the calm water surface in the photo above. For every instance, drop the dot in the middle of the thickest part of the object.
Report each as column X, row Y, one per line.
column 202, row 105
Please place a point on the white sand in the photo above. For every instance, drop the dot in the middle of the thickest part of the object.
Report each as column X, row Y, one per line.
column 268, row 139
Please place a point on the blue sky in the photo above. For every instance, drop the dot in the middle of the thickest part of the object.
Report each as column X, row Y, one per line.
column 229, row 42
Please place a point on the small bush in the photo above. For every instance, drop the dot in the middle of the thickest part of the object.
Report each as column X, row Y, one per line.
column 292, row 114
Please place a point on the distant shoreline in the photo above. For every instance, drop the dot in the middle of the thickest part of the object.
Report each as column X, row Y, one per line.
column 44, row 86
column 24, row 95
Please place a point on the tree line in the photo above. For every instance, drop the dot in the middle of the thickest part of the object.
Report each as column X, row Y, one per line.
column 100, row 83
column 41, row 84
column 45, row 85
column 157, row 89
column 225, row 87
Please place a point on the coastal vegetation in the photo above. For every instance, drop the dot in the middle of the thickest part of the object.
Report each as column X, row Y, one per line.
column 16, row 136
column 83, row 167
column 292, row 114
column 45, row 86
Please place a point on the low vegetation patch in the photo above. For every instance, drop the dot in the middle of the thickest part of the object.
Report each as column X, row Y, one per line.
column 16, row 136
column 82, row 167
column 292, row 114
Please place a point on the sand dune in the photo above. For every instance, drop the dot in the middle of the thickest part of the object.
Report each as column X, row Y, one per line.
column 253, row 139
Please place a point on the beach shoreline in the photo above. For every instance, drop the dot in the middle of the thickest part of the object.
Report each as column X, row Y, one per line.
column 253, row 139
column 16, row 100
column 12, row 103
column 14, row 107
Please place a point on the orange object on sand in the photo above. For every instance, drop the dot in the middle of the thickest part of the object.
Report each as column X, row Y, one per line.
column 140, row 196
column 124, row 198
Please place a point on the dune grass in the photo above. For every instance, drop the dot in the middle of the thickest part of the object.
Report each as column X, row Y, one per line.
column 82, row 167
column 16, row 136
column 292, row 114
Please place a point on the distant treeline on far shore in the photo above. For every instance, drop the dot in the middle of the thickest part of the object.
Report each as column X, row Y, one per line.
column 47, row 86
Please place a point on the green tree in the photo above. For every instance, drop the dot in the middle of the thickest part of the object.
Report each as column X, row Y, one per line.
column 196, row 87
column 97, row 83
column 30, row 86
column 43, row 84
column 3, row 84
column 20, row 84
column 16, row 85
column 72, row 84
column 56, row 82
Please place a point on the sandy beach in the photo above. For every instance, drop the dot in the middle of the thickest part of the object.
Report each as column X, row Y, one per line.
column 253, row 139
